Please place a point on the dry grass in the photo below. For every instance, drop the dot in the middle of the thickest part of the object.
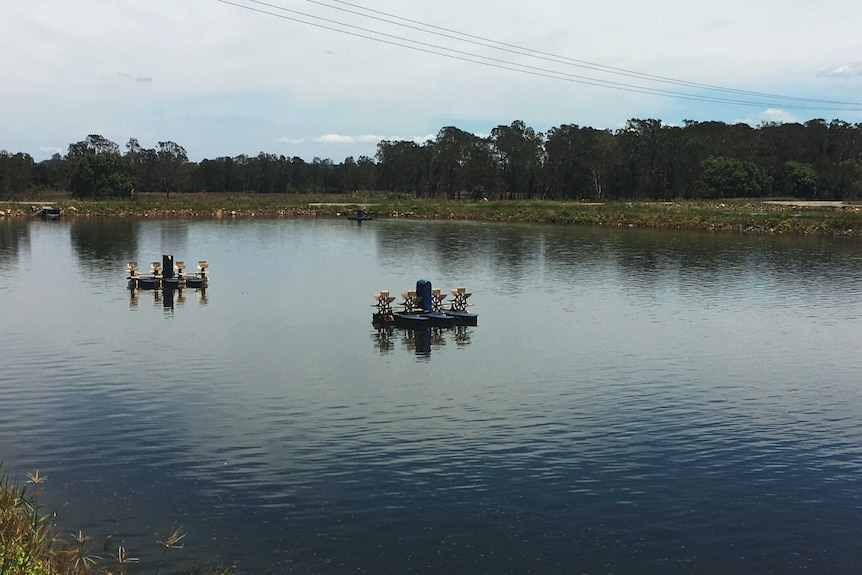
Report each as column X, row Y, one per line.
column 30, row 543
column 771, row 216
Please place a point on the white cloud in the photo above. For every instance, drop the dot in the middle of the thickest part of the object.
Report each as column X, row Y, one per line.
column 369, row 138
column 849, row 69
column 769, row 115
column 780, row 116
column 104, row 58
column 50, row 150
column 145, row 79
column 335, row 139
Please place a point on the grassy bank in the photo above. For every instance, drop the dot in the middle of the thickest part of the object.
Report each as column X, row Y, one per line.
column 756, row 216
column 30, row 543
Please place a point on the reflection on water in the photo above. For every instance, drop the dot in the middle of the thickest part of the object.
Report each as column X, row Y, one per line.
column 633, row 400
column 14, row 238
column 167, row 298
column 168, row 282
column 102, row 241
column 420, row 341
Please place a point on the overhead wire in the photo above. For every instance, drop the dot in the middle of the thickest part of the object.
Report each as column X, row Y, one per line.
column 515, row 49
column 791, row 102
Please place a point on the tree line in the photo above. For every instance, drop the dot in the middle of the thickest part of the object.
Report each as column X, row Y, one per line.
column 646, row 159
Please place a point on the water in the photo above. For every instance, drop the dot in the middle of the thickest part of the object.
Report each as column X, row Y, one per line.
column 631, row 401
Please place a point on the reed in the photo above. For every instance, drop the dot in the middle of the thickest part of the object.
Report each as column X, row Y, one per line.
column 30, row 543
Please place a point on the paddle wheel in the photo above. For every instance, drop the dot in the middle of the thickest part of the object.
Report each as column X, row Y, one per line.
column 424, row 305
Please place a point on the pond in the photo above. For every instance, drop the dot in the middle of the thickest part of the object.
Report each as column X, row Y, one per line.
column 630, row 400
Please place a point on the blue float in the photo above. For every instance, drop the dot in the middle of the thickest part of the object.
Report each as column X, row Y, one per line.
column 424, row 306
column 167, row 275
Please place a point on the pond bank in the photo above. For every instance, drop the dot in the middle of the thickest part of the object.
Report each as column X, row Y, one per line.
column 750, row 216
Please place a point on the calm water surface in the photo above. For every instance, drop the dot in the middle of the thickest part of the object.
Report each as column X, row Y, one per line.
column 630, row 401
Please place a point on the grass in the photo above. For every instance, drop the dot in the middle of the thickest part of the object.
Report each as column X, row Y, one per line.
column 746, row 215
column 30, row 544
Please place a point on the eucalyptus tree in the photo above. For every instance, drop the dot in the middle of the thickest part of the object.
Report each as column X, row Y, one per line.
column 213, row 175
column 844, row 141
column 267, row 173
column 97, row 170
column 283, row 175
column 645, row 160
column 577, row 161
column 815, row 146
column 404, row 166
column 366, row 173
column 800, row 180
column 723, row 177
column 519, row 153
column 16, row 173
column 323, row 176
column 844, row 182
column 700, row 141
column 300, row 175
column 49, row 173
column 91, row 145
column 451, row 153
column 482, row 177
column 777, row 144
column 144, row 161
column 354, row 176
column 171, row 160
column 567, row 176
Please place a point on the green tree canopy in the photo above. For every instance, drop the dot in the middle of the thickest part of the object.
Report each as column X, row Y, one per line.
column 97, row 170
column 800, row 180
column 15, row 173
column 644, row 160
column 723, row 177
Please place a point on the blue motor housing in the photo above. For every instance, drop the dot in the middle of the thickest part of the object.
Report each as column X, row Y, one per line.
column 167, row 266
column 423, row 290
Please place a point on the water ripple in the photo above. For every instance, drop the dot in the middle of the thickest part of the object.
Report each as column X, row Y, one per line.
column 629, row 404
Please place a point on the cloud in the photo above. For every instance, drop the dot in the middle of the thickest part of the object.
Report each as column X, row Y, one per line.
column 849, row 69
column 229, row 107
column 369, row 138
column 128, row 76
column 780, row 116
column 335, row 139
column 50, row 150
column 770, row 115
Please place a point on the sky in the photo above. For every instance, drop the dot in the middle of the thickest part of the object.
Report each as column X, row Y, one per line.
column 330, row 79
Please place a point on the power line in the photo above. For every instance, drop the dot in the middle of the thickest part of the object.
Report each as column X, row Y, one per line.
column 515, row 49
column 416, row 45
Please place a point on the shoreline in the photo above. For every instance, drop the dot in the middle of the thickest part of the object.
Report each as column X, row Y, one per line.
column 766, row 215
